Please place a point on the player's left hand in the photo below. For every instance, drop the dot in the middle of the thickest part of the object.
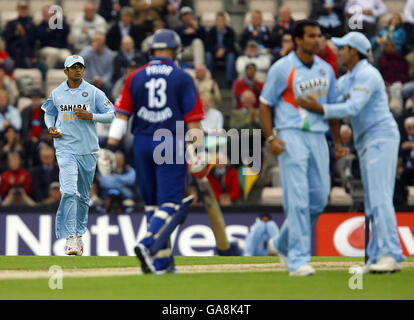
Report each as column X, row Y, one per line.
column 82, row 114
column 309, row 103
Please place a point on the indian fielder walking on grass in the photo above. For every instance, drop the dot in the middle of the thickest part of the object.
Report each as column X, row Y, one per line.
column 77, row 106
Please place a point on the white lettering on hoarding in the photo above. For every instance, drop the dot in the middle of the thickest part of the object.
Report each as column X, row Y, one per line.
column 187, row 241
column 103, row 230
column 407, row 238
column 342, row 234
column 239, row 230
column 16, row 228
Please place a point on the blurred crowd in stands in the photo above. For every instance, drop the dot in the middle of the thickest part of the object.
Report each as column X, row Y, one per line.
column 114, row 37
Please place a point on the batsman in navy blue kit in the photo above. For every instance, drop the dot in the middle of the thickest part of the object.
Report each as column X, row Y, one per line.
column 159, row 95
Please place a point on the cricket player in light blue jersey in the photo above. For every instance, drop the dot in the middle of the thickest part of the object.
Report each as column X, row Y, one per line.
column 300, row 143
column 362, row 97
column 77, row 106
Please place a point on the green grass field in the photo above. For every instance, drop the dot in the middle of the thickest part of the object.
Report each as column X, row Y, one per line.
column 264, row 285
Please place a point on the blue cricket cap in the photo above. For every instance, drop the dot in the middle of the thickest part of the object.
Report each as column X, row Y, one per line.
column 71, row 60
column 354, row 40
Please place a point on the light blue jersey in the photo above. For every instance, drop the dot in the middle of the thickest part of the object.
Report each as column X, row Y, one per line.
column 287, row 79
column 79, row 136
column 362, row 97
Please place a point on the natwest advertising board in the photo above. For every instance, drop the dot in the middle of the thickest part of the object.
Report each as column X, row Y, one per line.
column 343, row 234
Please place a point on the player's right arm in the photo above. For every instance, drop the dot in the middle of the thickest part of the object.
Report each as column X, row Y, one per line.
column 50, row 112
column 276, row 83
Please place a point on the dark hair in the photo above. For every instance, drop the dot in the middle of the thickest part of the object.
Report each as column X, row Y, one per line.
column 250, row 64
column 298, row 29
column 361, row 56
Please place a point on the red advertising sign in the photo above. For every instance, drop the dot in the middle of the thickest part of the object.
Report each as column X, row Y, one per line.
column 343, row 234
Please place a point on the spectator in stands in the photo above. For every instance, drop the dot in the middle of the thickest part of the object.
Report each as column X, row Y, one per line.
column 345, row 133
column 409, row 24
column 371, row 11
column 407, row 151
column 146, row 12
column 258, row 32
column 20, row 37
column 119, row 85
column 224, row 181
column 146, row 43
column 283, row 26
column 6, row 62
column 248, row 116
column 53, row 44
column 206, row 84
column 9, row 85
column 330, row 15
column 17, row 196
column 44, row 174
column 33, row 123
column 94, row 200
column 213, row 118
column 10, row 143
column 192, row 36
column 327, row 54
column 220, row 46
column 124, row 27
column 110, row 9
column 15, row 175
column 121, row 179
column 248, row 82
column 285, row 48
column 172, row 9
column 9, row 115
column 84, row 28
column 394, row 31
column 99, row 61
column 54, row 195
column 125, row 55
column 392, row 65
column 252, row 54
column 401, row 187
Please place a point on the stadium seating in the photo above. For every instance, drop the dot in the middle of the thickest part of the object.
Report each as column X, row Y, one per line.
column 54, row 77
column 410, row 200
column 268, row 9
column 23, row 102
column 33, row 73
column 206, row 10
column 272, row 196
column 339, row 197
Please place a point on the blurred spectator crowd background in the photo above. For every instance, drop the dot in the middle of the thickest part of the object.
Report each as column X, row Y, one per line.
column 227, row 47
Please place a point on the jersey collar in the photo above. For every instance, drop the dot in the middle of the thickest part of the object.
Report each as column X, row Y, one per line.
column 357, row 67
column 163, row 60
column 299, row 63
column 81, row 86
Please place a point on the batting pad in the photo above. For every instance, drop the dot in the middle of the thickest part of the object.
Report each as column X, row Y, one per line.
column 168, row 229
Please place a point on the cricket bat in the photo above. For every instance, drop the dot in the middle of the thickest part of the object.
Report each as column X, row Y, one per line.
column 214, row 214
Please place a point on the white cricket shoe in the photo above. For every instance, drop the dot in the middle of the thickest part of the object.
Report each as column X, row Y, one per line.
column 283, row 259
column 80, row 245
column 385, row 264
column 71, row 246
column 305, row 270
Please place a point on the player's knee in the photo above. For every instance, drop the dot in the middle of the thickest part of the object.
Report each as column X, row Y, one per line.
column 69, row 193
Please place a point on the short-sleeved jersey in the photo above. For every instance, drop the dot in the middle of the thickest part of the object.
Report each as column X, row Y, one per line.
column 287, row 79
column 157, row 95
column 79, row 136
column 362, row 96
